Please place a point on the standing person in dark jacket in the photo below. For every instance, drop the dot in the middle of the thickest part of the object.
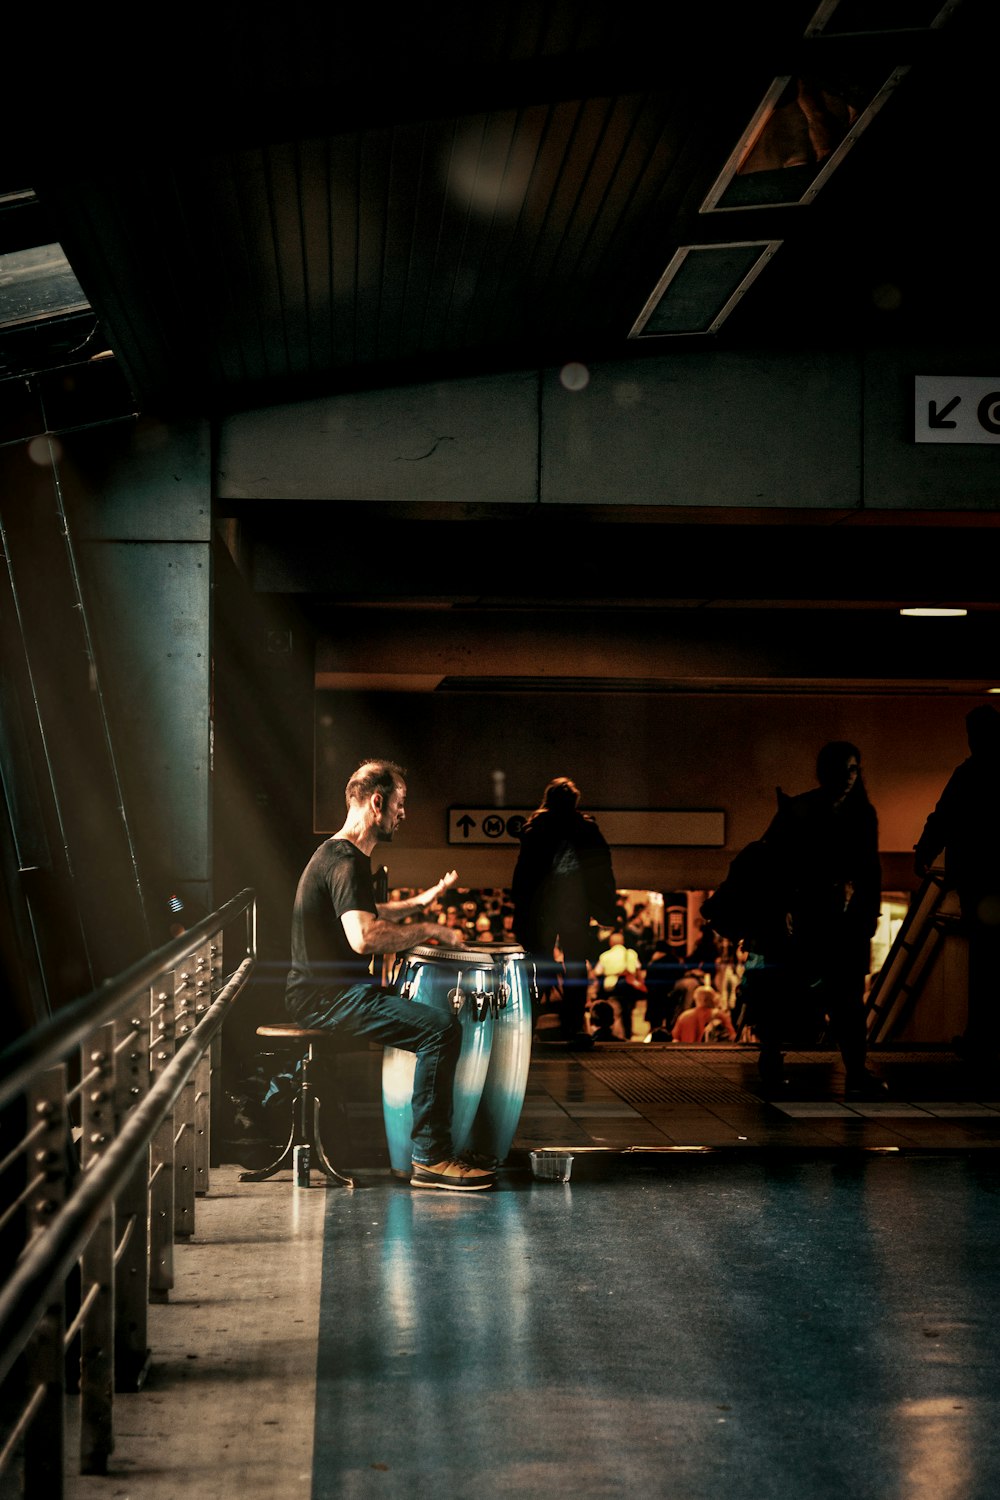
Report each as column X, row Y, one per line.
column 966, row 824
column 563, row 877
column 825, row 849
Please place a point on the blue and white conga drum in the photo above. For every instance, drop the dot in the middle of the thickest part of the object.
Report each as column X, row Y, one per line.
column 458, row 981
column 510, row 1056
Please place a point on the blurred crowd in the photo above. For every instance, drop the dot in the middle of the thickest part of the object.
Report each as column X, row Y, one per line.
column 640, row 987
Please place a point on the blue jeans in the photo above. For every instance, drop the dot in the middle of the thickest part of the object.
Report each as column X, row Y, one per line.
column 367, row 1010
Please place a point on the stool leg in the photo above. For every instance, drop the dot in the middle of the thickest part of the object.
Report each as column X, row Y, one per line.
column 322, row 1161
column 295, row 1138
column 297, row 1135
column 304, row 1132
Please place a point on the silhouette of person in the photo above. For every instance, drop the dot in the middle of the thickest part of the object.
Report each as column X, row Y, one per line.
column 965, row 823
column 662, row 973
column 824, row 843
column 615, row 964
column 602, row 1016
column 562, row 878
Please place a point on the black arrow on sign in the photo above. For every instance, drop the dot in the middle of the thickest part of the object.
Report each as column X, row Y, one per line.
column 936, row 418
column 465, row 823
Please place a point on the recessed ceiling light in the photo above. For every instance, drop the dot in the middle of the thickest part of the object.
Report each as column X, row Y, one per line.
column 927, row 610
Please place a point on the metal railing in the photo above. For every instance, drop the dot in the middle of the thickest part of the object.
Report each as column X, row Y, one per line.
column 111, row 1100
column 896, row 988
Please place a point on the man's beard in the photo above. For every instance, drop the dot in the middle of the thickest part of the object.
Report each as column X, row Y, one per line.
column 383, row 835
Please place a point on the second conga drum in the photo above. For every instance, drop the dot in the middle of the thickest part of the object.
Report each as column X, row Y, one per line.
column 462, row 982
column 510, row 1055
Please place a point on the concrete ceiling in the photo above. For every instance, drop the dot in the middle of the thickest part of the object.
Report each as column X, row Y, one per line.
column 264, row 203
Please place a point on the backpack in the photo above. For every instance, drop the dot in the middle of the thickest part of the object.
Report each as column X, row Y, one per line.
column 745, row 902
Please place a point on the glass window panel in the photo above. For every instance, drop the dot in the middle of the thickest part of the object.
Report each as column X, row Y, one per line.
column 36, row 284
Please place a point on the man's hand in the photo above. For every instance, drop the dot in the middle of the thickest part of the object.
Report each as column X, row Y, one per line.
column 449, row 937
column 434, row 891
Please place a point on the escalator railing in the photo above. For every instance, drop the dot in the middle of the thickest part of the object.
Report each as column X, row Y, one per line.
column 897, row 986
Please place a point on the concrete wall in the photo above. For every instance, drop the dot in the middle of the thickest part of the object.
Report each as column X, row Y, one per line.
column 679, row 751
column 829, row 430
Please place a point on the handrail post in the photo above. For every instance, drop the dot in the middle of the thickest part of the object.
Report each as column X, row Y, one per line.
column 215, row 1103
column 202, row 1098
column 98, row 1264
column 45, row 1354
column 184, row 1154
column 132, row 1353
column 161, row 1192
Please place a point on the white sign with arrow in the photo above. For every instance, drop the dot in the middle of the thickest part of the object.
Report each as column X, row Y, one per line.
column 956, row 409
column 698, row 828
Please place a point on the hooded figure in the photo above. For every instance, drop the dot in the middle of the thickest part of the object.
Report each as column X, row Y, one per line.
column 563, row 877
column 966, row 824
column 823, row 845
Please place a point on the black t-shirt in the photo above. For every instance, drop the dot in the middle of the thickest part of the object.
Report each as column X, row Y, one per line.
column 337, row 879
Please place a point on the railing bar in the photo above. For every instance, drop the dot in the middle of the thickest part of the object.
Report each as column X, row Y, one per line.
column 25, row 1142
column 82, row 1084
column 154, row 1013
column 128, row 1040
column 154, row 1174
column 50, row 1041
column 28, row 1291
column 24, row 1422
column 122, row 1245
column 21, row 1198
column 93, row 1292
column 180, row 1132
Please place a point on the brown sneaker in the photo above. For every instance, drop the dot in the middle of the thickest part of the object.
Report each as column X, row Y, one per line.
column 453, row 1176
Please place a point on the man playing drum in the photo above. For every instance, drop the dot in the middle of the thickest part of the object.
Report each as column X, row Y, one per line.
column 337, row 928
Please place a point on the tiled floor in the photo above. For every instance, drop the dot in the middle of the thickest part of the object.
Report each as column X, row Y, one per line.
column 635, row 1097
column 644, row 1097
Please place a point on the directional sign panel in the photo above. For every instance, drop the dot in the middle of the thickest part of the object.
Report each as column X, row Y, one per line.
column 956, row 409
column 502, row 825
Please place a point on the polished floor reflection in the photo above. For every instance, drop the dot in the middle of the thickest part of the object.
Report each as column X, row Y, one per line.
column 691, row 1327
column 732, row 1298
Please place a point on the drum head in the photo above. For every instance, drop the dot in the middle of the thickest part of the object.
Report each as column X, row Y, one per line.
column 469, row 958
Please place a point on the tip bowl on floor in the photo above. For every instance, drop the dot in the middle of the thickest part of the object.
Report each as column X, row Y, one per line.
column 551, row 1166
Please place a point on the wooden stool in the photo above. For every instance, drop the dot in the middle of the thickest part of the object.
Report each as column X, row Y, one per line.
column 305, row 1108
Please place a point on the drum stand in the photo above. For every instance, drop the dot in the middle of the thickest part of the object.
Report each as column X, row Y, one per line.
column 305, row 1145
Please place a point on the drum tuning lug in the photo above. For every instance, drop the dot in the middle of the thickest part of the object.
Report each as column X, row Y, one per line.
column 457, row 1000
column 503, row 995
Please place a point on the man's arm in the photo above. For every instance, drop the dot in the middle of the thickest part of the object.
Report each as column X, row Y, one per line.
column 374, row 935
column 398, row 911
column 936, row 829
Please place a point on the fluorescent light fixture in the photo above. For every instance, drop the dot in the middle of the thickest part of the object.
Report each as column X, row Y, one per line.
column 37, row 284
column 798, row 135
column 934, row 611
column 863, row 17
column 700, row 287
